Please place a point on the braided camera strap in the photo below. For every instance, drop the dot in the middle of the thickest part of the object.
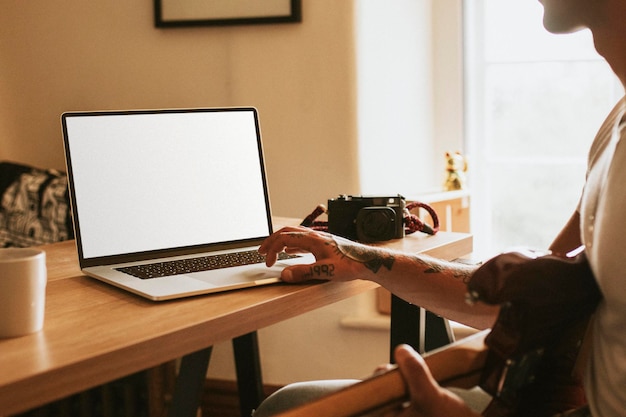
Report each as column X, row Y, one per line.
column 412, row 223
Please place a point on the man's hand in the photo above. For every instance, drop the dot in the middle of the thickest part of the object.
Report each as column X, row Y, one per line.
column 337, row 259
column 428, row 399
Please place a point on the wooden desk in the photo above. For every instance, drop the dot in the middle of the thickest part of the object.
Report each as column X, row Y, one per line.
column 95, row 333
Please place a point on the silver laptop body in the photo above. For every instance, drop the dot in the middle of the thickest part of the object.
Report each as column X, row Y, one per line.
column 151, row 189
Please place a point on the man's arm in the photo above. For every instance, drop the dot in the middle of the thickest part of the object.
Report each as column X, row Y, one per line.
column 436, row 285
column 569, row 237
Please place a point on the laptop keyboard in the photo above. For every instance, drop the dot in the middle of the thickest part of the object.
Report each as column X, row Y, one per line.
column 203, row 263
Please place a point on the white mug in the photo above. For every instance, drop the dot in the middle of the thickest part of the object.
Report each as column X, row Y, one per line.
column 23, row 281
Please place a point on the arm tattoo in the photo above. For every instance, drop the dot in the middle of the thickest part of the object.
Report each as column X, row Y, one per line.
column 464, row 274
column 372, row 258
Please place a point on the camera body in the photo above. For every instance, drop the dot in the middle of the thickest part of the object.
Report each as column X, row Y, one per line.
column 367, row 219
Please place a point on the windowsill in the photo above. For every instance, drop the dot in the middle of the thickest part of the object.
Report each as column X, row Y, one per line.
column 382, row 322
column 372, row 321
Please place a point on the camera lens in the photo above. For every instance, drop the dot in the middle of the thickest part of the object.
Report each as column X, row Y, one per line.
column 374, row 224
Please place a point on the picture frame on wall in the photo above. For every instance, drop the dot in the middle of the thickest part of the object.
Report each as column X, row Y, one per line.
column 182, row 13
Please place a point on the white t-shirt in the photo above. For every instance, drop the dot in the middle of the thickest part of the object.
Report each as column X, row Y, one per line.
column 603, row 228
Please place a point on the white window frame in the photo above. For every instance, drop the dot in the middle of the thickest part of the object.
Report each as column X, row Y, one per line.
column 476, row 130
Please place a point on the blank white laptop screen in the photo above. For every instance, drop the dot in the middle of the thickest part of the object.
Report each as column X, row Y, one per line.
column 155, row 181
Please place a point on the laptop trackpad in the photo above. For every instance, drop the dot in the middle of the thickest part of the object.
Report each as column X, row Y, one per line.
column 235, row 276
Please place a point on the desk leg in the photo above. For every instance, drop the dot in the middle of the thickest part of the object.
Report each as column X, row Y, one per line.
column 419, row 328
column 437, row 332
column 249, row 377
column 190, row 383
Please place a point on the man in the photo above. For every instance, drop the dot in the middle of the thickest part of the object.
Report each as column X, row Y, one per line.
column 599, row 223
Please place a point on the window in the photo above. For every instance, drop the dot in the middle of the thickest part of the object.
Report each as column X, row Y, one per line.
column 534, row 101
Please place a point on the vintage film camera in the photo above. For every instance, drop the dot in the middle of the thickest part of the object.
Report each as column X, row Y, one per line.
column 367, row 219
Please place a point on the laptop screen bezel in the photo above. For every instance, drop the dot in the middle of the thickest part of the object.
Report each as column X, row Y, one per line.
column 167, row 252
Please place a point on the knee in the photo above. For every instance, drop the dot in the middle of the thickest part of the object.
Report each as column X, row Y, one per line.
column 297, row 394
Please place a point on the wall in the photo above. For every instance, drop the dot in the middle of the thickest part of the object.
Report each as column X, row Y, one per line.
column 395, row 111
column 78, row 55
column 82, row 55
column 409, row 92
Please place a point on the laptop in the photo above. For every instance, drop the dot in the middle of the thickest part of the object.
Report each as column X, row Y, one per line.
column 166, row 202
